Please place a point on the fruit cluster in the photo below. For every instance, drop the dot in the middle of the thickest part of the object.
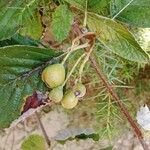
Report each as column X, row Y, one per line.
column 54, row 78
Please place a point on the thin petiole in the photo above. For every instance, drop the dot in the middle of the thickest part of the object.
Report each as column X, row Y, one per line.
column 75, row 65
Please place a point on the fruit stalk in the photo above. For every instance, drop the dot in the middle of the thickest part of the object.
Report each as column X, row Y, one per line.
column 114, row 95
column 75, row 45
column 84, row 62
column 70, row 73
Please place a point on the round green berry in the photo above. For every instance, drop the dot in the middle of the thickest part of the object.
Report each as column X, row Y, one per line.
column 56, row 94
column 54, row 75
column 69, row 100
column 79, row 90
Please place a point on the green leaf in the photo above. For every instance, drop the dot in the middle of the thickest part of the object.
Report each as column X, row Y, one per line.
column 18, row 39
column 134, row 12
column 34, row 142
column 97, row 6
column 116, row 38
column 17, row 78
column 13, row 15
column 61, row 22
column 32, row 27
column 22, row 40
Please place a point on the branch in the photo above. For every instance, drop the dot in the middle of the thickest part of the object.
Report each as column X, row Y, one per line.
column 43, row 129
column 114, row 95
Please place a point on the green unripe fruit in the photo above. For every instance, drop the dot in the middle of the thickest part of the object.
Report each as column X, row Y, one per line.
column 54, row 75
column 69, row 100
column 79, row 90
column 56, row 94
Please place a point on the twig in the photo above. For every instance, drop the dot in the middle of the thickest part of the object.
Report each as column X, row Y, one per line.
column 43, row 130
column 114, row 95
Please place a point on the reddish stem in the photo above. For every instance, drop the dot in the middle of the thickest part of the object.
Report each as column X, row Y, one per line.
column 114, row 95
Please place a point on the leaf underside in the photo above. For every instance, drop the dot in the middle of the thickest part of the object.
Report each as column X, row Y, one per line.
column 116, row 38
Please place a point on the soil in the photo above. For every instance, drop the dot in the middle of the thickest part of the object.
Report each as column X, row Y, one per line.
column 56, row 119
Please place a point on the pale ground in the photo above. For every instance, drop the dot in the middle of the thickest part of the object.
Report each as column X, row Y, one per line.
column 56, row 120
